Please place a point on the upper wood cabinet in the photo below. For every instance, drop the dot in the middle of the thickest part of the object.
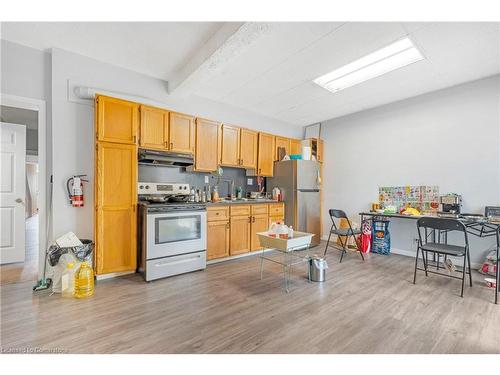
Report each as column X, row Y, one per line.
column 284, row 143
column 181, row 133
column 115, row 204
column 230, row 146
column 154, row 128
column 265, row 155
column 116, row 120
column 320, row 154
column 207, row 142
column 295, row 146
column 248, row 148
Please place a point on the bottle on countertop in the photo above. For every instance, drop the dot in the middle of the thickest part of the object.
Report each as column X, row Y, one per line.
column 204, row 194
column 215, row 194
column 191, row 197
column 290, row 232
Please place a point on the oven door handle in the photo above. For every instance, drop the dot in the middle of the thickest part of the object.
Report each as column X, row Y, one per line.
column 177, row 261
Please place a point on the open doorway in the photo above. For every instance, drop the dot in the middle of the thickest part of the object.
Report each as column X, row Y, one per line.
column 20, row 184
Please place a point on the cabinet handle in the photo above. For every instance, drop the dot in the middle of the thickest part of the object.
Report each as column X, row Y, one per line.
column 135, row 139
column 249, row 219
column 227, row 226
column 171, row 145
column 166, row 144
column 253, row 219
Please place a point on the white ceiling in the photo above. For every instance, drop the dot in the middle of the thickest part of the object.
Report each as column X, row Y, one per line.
column 156, row 49
column 271, row 73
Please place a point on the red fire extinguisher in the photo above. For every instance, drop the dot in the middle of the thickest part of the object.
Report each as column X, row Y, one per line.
column 75, row 190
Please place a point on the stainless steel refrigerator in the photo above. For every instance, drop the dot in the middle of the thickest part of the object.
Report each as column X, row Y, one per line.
column 299, row 181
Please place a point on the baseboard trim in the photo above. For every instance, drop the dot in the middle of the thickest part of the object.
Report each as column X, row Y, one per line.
column 113, row 274
column 232, row 257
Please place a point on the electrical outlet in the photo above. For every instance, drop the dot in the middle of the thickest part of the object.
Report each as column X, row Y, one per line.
column 249, row 181
column 206, row 179
column 415, row 240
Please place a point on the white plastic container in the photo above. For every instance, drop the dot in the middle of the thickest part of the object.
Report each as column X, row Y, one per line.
column 68, row 281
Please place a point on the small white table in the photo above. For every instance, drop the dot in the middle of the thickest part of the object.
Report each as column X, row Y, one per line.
column 287, row 247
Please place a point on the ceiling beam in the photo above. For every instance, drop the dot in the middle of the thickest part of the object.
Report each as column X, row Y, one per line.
column 229, row 41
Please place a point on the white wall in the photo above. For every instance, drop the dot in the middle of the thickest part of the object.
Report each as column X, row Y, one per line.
column 449, row 138
column 73, row 125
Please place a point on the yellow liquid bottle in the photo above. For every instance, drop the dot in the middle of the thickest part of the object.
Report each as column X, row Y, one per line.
column 84, row 281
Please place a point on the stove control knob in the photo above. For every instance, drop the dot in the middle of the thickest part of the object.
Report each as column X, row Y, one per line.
column 141, row 187
column 147, row 186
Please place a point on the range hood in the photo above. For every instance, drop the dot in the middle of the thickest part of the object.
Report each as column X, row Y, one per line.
column 165, row 158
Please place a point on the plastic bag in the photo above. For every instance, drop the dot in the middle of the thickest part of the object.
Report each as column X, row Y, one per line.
column 489, row 266
column 366, row 237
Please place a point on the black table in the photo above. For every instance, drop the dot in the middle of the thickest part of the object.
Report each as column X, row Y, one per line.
column 484, row 228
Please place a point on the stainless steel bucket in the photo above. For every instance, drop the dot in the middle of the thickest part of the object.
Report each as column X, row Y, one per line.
column 317, row 268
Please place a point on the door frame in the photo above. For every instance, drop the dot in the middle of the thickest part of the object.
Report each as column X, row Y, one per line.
column 39, row 106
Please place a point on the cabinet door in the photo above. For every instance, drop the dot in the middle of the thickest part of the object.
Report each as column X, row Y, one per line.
column 248, row 148
column 181, row 133
column 207, row 140
column 116, row 120
column 116, row 202
column 265, row 155
column 295, row 146
column 320, row 150
column 240, row 235
column 284, row 143
column 218, row 239
column 230, row 152
column 154, row 128
column 260, row 223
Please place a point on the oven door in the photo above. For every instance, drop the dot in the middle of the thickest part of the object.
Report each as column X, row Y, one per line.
column 174, row 233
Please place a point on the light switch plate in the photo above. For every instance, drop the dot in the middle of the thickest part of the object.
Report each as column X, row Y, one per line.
column 206, row 179
column 249, row 181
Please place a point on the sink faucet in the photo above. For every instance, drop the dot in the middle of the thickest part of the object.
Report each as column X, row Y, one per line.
column 230, row 186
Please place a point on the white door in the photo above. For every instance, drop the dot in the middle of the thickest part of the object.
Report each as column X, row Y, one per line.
column 12, row 192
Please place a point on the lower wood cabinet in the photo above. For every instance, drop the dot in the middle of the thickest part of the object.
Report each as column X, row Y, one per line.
column 232, row 229
column 260, row 223
column 218, row 239
column 240, row 235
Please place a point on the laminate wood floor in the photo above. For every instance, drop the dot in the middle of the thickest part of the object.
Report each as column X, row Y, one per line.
column 369, row 307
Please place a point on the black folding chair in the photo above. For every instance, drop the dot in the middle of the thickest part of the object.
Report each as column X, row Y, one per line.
column 442, row 225
column 342, row 233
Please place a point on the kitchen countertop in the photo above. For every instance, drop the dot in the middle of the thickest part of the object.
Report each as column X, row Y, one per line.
column 249, row 201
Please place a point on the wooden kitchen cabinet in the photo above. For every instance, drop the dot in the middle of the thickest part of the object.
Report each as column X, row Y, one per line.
column 116, row 120
column 240, row 235
column 284, row 143
column 248, row 148
column 154, row 128
column 115, row 204
column 207, row 142
column 320, row 154
column 181, row 133
column 266, row 155
column 230, row 146
column 295, row 146
column 218, row 239
column 260, row 223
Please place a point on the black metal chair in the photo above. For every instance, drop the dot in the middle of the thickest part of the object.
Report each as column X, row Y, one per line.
column 342, row 233
column 445, row 225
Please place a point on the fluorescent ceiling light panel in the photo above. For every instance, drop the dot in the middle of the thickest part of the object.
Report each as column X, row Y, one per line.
column 385, row 60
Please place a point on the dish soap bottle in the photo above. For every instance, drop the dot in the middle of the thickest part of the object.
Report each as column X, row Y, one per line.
column 84, row 281
column 68, row 281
